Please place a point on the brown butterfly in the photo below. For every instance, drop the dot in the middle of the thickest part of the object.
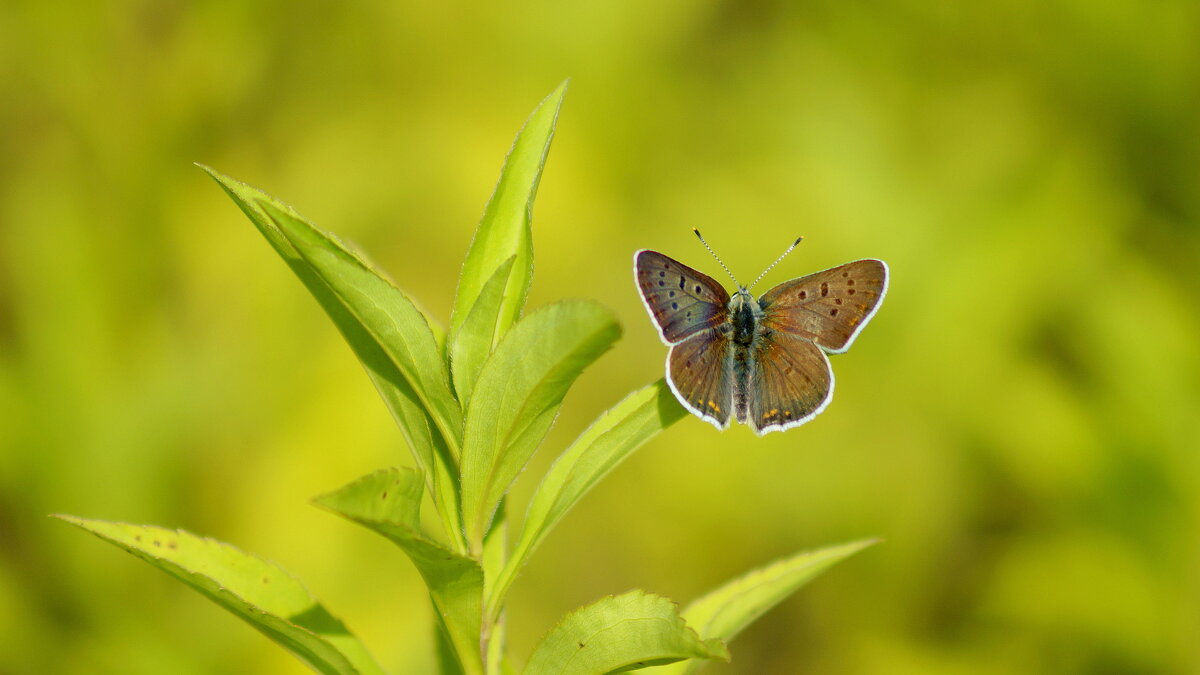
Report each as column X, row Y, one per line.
column 762, row 361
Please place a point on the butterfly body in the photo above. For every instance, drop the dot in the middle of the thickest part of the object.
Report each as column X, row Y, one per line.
column 743, row 330
column 759, row 361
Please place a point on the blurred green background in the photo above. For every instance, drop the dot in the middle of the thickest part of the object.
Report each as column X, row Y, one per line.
column 1019, row 422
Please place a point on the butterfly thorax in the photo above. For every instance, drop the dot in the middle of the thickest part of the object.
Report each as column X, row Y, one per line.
column 744, row 314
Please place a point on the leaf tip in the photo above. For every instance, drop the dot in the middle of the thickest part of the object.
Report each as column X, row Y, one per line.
column 717, row 649
column 214, row 174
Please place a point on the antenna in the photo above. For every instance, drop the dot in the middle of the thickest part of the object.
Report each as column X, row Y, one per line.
column 714, row 254
column 764, row 273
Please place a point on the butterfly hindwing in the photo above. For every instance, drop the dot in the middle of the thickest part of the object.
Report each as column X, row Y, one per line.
column 830, row 307
column 681, row 301
column 698, row 372
column 790, row 381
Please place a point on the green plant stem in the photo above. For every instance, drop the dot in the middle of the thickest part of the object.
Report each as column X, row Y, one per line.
column 493, row 604
column 493, row 557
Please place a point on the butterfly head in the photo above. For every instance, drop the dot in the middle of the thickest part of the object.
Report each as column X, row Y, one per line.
column 741, row 298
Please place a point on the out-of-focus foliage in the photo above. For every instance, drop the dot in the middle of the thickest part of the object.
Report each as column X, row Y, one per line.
column 1019, row 422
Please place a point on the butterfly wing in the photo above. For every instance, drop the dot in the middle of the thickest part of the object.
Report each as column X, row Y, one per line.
column 699, row 374
column 790, row 382
column 830, row 308
column 681, row 301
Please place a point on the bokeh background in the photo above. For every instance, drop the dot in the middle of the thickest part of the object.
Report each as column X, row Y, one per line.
column 1019, row 422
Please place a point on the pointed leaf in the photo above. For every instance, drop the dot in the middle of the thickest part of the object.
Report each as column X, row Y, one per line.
column 389, row 503
column 247, row 197
column 428, row 447
column 386, row 313
column 605, row 444
column 471, row 344
column 259, row 592
column 519, row 392
column 505, row 231
column 724, row 612
column 618, row 634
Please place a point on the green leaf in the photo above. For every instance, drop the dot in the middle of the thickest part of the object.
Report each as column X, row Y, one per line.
column 519, row 392
column 260, row 593
column 420, row 432
column 505, row 231
column 620, row 633
column 389, row 502
column 724, row 612
column 386, row 313
column 471, row 343
column 605, row 444
column 447, row 660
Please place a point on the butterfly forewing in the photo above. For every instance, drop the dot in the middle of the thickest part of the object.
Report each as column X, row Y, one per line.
column 681, row 301
column 698, row 371
column 789, row 383
column 829, row 307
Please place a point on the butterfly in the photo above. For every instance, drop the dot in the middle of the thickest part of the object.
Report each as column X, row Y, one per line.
column 760, row 361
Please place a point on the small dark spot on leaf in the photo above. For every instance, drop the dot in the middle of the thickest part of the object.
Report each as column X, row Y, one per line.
column 582, row 645
column 266, row 580
column 137, row 537
column 157, row 542
column 172, row 545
